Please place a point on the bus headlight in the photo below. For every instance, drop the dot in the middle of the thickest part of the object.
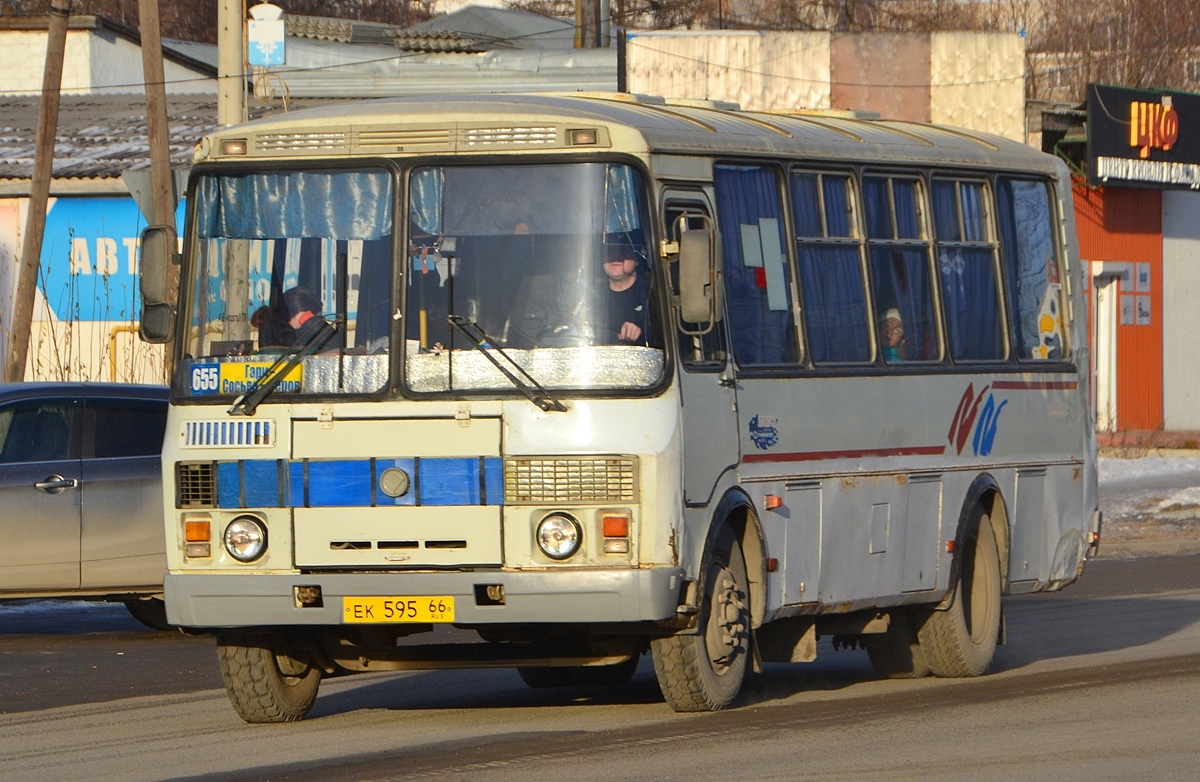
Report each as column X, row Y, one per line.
column 245, row 538
column 559, row 536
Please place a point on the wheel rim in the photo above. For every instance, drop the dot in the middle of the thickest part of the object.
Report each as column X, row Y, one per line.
column 976, row 599
column 726, row 622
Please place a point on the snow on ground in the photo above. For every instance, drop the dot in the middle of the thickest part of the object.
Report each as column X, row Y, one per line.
column 1114, row 470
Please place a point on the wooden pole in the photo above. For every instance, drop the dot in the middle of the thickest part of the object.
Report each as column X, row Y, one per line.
column 162, row 185
column 39, row 192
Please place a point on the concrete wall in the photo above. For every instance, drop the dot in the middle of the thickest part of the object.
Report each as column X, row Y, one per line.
column 759, row 70
column 978, row 82
column 1181, row 310
column 96, row 61
column 971, row 80
column 885, row 72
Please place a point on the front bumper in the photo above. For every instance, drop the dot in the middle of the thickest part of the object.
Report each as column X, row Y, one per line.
column 205, row 600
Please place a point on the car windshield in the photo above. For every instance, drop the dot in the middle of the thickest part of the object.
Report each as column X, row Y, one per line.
column 549, row 262
column 275, row 255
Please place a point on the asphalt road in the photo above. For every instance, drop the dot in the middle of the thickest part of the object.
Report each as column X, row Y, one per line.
column 1101, row 681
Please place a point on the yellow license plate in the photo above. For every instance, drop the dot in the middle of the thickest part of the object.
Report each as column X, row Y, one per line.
column 376, row 610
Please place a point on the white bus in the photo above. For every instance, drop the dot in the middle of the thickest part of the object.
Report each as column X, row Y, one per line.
column 588, row 376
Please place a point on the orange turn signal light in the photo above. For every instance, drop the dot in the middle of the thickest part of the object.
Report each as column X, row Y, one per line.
column 616, row 526
column 196, row 531
column 772, row 501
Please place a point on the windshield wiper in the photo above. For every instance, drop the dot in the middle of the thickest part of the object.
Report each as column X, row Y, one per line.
column 249, row 401
column 485, row 345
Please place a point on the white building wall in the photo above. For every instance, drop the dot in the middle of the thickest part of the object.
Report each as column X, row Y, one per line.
column 977, row 81
column 1181, row 310
column 759, row 70
column 94, row 62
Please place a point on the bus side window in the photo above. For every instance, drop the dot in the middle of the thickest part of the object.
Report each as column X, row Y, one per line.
column 832, row 280
column 966, row 256
column 758, row 291
column 1035, row 295
column 703, row 351
column 900, row 272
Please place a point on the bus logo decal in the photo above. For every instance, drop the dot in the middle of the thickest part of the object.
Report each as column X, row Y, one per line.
column 764, row 431
column 965, row 418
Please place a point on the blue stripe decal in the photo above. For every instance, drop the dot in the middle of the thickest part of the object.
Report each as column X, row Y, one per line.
column 410, row 496
column 228, row 485
column 339, row 483
column 493, row 473
column 262, row 483
column 296, row 484
column 450, row 481
column 347, row 482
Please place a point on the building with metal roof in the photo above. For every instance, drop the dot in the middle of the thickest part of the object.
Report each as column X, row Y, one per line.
column 102, row 56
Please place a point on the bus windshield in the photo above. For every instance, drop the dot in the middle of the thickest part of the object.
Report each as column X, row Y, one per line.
column 276, row 254
column 550, row 262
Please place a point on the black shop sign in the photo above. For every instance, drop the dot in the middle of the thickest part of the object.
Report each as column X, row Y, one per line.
column 1143, row 138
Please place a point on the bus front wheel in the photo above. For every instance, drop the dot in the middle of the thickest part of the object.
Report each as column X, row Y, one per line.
column 704, row 672
column 961, row 640
column 265, row 678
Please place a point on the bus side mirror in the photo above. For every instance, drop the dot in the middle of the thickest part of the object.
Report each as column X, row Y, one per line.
column 159, row 244
column 700, row 283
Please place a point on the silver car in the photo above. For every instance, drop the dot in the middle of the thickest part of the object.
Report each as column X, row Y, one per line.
column 81, row 494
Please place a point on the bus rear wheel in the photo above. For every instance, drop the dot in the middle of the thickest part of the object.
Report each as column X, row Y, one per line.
column 704, row 672
column 266, row 679
column 961, row 640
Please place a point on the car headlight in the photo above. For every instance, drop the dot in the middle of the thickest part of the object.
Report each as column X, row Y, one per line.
column 245, row 538
column 559, row 536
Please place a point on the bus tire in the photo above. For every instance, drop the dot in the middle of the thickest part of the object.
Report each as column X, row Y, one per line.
column 606, row 675
column 961, row 640
column 264, row 680
column 704, row 672
column 897, row 654
column 545, row 677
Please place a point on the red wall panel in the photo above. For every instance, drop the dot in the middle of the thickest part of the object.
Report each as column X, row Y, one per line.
column 1117, row 224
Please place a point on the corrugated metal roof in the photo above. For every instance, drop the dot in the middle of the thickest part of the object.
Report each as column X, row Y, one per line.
column 100, row 135
column 522, row 29
column 326, row 28
column 442, row 41
column 519, row 70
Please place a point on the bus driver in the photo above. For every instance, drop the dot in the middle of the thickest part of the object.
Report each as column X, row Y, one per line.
column 627, row 302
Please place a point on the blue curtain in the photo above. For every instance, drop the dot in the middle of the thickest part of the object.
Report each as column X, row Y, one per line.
column 329, row 204
column 905, row 195
column 835, row 304
column 831, row 277
column 746, row 194
column 969, row 288
column 879, row 213
column 902, row 281
column 972, row 303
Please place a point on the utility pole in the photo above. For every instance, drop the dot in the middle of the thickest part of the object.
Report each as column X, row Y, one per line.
column 39, row 192
column 162, row 184
column 231, row 68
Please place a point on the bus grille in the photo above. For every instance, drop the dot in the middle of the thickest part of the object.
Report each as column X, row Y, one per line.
column 540, row 481
column 510, row 137
column 196, row 485
column 300, row 142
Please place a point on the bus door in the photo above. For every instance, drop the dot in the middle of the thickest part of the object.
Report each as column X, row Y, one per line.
column 710, row 439
column 774, row 408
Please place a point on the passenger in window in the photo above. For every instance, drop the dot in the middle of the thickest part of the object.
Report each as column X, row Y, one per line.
column 294, row 319
column 626, row 305
column 891, row 336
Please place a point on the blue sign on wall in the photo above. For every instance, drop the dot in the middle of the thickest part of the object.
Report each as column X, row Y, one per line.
column 89, row 258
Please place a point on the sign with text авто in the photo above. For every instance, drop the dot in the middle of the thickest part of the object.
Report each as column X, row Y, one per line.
column 1143, row 138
